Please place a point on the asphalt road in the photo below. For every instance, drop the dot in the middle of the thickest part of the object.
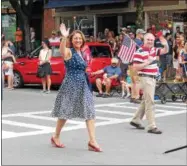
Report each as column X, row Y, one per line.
column 27, row 128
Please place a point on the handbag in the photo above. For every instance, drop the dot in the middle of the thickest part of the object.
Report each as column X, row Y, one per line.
column 40, row 71
column 5, row 66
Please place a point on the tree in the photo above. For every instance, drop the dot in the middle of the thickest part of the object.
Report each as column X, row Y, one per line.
column 23, row 10
column 139, row 14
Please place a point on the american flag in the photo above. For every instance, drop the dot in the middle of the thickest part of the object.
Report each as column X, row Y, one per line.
column 127, row 49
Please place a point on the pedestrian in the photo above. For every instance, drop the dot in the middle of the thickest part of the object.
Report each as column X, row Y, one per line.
column 8, row 59
column 74, row 99
column 18, row 38
column 44, row 61
column 144, row 62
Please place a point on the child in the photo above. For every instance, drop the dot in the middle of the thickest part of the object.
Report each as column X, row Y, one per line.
column 126, row 85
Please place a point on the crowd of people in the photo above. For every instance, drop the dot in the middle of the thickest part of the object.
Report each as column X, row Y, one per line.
column 172, row 64
column 72, row 102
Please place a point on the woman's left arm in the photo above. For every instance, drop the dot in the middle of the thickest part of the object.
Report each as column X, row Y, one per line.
column 49, row 55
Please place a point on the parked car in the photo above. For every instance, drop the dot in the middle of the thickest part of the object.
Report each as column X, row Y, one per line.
column 26, row 67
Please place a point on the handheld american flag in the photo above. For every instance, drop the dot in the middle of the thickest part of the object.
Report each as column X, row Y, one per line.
column 127, row 49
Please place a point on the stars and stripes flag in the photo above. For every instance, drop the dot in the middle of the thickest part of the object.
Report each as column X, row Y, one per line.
column 127, row 49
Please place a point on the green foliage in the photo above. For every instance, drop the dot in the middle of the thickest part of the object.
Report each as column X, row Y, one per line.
column 139, row 14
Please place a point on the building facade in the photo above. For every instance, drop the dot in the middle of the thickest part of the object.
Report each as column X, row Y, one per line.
column 92, row 18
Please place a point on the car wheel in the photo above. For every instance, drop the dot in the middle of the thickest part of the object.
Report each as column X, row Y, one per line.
column 18, row 80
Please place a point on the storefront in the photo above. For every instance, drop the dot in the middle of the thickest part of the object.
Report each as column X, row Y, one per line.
column 93, row 16
column 8, row 26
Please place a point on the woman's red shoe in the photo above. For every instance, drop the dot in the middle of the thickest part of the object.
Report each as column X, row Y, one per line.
column 94, row 148
column 55, row 144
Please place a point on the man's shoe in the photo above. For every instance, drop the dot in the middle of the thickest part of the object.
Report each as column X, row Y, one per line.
column 99, row 95
column 106, row 95
column 155, row 131
column 137, row 101
column 138, row 126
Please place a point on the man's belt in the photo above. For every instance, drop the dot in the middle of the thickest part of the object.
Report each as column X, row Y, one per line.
column 146, row 75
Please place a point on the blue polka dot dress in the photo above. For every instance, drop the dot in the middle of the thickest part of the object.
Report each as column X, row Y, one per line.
column 74, row 99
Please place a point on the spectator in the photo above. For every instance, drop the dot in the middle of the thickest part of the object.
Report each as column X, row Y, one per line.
column 178, row 58
column 111, row 75
column 139, row 37
column 111, row 40
column 8, row 61
column 53, row 38
column 33, row 38
column 169, row 55
column 123, row 30
column 178, row 31
column 184, row 62
column 165, row 30
column 18, row 39
column 163, row 57
column 126, row 85
column 105, row 36
column 132, row 35
column 44, row 59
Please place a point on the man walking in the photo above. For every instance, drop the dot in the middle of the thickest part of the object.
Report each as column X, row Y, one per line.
column 144, row 62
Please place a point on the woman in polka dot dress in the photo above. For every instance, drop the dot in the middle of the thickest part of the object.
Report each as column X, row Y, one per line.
column 74, row 99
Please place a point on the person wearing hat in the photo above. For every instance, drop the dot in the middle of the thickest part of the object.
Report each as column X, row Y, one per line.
column 139, row 37
column 54, row 38
column 44, row 61
column 8, row 60
column 111, row 74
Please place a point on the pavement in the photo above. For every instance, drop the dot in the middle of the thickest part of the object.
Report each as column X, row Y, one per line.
column 27, row 128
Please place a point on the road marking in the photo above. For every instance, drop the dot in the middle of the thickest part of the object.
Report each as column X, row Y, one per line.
column 114, row 112
column 50, row 118
column 27, row 125
column 78, row 124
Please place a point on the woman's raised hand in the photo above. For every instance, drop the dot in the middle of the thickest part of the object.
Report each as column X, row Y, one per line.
column 64, row 31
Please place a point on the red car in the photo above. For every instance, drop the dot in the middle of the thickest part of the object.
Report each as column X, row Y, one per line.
column 25, row 69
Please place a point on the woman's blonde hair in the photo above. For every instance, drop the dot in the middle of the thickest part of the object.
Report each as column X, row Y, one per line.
column 71, row 37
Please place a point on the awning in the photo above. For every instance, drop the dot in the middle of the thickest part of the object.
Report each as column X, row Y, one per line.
column 73, row 3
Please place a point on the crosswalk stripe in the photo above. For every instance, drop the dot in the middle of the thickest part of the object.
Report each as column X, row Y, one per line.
column 50, row 119
column 115, row 112
column 27, row 125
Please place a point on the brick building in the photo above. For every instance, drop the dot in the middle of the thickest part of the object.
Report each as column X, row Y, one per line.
column 94, row 15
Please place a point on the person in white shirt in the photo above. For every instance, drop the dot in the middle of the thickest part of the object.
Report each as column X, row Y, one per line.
column 54, row 38
column 44, row 61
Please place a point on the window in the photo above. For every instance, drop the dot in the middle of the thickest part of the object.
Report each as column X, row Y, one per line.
column 55, row 51
column 36, row 52
column 100, row 51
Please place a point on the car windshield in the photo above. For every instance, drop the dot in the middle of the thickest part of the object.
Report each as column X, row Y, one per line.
column 95, row 51
column 100, row 51
column 36, row 52
column 55, row 51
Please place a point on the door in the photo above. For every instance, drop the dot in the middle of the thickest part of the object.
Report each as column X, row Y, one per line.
column 109, row 22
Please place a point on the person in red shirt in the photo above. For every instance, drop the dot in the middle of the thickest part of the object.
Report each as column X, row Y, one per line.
column 18, row 38
column 145, row 63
